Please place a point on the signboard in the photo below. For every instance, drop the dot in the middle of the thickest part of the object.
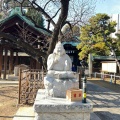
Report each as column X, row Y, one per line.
column 109, row 67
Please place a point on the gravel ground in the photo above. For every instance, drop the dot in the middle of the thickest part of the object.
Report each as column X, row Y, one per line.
column 8, row 102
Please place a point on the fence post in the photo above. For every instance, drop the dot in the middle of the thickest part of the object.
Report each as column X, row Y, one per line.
column 102, row 75
column 19, row 88
column 95, row 74
column 114, row 78
column 111, row 79
column 79, row 76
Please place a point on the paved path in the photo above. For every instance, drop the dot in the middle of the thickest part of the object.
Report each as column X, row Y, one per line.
column 106, row 103
column 8, row 83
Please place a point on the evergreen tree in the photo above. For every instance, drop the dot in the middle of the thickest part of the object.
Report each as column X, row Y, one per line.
column 36, row 16
column 95, row 35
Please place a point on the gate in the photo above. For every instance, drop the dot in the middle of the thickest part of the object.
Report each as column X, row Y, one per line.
column 29, row 82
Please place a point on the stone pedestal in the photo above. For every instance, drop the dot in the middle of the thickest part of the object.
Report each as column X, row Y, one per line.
column 60, row 109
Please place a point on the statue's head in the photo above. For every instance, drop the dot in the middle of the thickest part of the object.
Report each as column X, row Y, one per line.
column 59, row 49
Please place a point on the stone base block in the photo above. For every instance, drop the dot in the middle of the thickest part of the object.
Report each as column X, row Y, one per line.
column 60, row 109
column 62, row 116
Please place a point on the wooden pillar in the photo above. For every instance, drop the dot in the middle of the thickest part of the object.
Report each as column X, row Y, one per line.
column 5, row 64
column 11, row 62
column 31, row 63
column 37, row 65
column 1, row 60
column 16, row 59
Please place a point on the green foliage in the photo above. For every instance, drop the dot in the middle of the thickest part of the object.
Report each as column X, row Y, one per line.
column 14, row 3
column 36, row 16
column 93, row 34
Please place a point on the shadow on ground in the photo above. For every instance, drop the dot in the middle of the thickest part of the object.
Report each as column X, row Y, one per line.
column 107, row 84
column 104, row 115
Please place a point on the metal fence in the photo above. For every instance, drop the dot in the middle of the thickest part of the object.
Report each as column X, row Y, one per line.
column 112, row 76
column 29, row 82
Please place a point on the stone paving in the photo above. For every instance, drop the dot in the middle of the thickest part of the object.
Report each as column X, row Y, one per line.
column 106, row 102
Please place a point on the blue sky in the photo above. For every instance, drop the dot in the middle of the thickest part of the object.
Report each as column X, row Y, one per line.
column 108, row 6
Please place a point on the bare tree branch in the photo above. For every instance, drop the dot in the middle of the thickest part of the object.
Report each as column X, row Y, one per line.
column 49, row 20
column 46, row 4
column 42, row 11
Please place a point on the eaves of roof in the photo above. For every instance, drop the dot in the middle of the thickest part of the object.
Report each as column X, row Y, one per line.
column 71, row 43
column 26, row 20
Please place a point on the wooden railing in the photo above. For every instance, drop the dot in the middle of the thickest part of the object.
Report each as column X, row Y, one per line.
column 29, row 83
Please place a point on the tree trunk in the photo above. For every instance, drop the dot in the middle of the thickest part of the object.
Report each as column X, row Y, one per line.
column 58, row 26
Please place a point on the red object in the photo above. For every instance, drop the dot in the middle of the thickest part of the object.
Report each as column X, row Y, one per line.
column 74, row 95
column 79, row 95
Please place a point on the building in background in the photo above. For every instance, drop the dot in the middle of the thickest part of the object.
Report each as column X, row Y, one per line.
column 115, row 17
